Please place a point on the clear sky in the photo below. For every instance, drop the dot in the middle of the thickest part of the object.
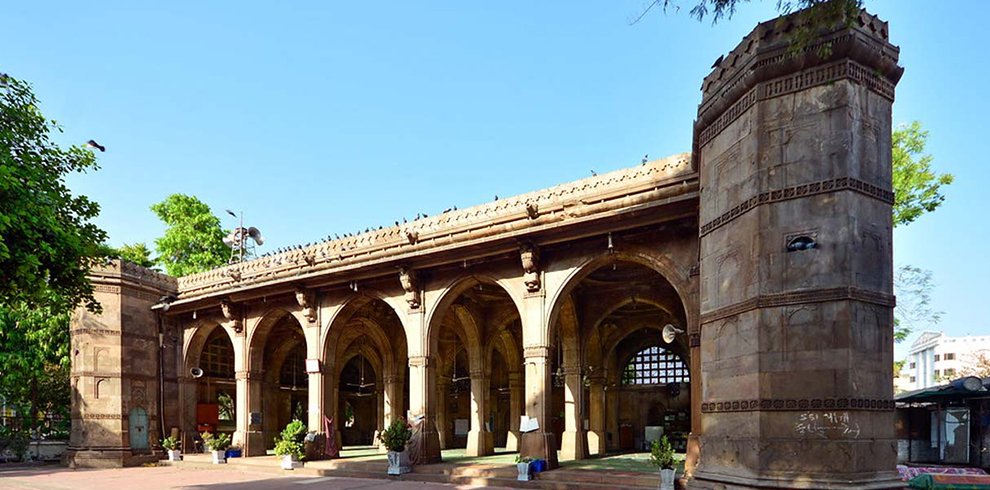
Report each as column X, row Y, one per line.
column 317, row 118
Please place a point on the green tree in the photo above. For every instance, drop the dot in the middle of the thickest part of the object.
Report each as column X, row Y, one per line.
column 818, row 11
column 193, row 240
column 917, row 187
column 34, row 369
column 47, row 240
column 138, row 253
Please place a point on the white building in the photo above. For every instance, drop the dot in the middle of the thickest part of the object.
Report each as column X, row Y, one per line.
column 935, row 358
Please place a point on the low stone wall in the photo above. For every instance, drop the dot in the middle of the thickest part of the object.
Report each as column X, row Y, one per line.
column 39, row 451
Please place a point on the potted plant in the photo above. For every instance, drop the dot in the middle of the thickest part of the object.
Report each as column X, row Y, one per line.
column 171, row 445
column 395, row 438
column 522, row 464
column 218, row 445
column 662, row 456
column 289, row 445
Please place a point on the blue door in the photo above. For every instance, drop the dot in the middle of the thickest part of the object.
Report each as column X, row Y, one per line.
column 138, row 428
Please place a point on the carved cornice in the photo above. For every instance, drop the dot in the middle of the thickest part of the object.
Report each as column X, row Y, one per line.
column 112, row 333
column 765, row 65
column 230, row 313
column 798, row 298
column 797, row 404
column 601, row 193
column 536, row 351
column 798, row 191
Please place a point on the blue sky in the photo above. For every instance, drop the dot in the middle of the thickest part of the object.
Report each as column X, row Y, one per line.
column 318, row 118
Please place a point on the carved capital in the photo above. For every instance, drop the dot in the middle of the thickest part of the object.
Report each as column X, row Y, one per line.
column 530, row 256
column 536, row 352
column 419, row 361
column 410, row 284
column 306, row 298
column 233, row 319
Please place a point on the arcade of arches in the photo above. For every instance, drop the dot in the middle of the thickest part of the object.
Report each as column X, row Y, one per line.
column 610, row 380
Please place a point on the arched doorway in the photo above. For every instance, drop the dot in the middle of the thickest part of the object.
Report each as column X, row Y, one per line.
column 210, row 366
column 367, row 383
column 277, row 354
column 475, row 336
column 607, row 322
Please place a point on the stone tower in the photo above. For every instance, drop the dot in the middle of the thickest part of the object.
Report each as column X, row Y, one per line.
column 115, row 369
column 793, row 146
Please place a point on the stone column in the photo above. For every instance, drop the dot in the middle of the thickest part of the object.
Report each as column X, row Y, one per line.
column 515, row 410
column 540, row 443
column 596, row 417
column 316, row 398
column 573, row 443
column 611, row 413
column 693, row 443
column 443, row 392
column 250, row 429
column 331, row 396
column 794, row 152
column 422, row 404
column 380, row 418
column 393, row 399
column 480, row 440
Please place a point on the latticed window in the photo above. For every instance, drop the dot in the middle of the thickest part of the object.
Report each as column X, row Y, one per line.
column 655, row 365
column 218, row 358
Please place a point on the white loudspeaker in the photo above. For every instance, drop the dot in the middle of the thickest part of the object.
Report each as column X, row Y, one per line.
column 196, row 372
column 670, row 332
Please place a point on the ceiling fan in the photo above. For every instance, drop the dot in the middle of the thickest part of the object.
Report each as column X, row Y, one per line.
column 361, row 384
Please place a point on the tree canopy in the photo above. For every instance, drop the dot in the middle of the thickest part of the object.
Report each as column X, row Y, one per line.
column 47, row 239
column 193, row 240
column 137, row 252
column 917, row 187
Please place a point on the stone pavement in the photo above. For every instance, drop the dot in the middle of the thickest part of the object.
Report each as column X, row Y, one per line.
column 154, row 478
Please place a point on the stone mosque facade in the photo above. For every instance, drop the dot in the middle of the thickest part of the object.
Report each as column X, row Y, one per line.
column 767, row 249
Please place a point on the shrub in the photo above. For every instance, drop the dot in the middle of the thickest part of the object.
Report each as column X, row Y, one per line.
column 290, row 441
column 662, row 454
column 170, row 443
column 396, row 436
column 219, row 442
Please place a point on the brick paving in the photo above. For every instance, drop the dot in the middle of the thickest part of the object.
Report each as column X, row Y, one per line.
column 154, row 478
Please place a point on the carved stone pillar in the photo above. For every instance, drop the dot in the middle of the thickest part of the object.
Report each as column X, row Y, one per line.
column 249, row 414
column 332, row 403
column 443, row 393
column 380, row 415
column 480, row 440
column 541, row 443
column 515, row 410
column 596, row 415
column 794, row 151
column 573, row 443
column 423, row 404
column 315, row 392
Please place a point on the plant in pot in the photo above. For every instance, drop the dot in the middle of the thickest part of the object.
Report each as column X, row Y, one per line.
column 289, row 445
column 395, row 438
column 171, row 445
column 522, row 464
column 218, row 445
column 662, row 456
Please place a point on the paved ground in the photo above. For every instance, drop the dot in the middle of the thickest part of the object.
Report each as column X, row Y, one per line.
column 154, row 478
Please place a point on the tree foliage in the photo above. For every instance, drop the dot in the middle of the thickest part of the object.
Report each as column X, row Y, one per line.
column 977, row 364
column 193, row 240
column 46, row 238
column 913, row 288
column 138, row 253
column 817, row 11
column 917, row 187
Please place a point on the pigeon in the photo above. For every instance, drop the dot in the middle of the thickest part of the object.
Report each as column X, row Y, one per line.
column 593, row 174
column 496, row 197
column 646, row 158
column 718, row 61
column 94, row 144
column 396, row 222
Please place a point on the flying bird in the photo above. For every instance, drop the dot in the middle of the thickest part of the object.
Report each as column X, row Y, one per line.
column 94, row 144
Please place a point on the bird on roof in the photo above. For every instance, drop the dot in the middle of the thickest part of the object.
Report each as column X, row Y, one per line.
column 718, row 61
column 496, row 197
column 396, row 222
column 94, row 144
column 646, row 158
column 593, row 174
